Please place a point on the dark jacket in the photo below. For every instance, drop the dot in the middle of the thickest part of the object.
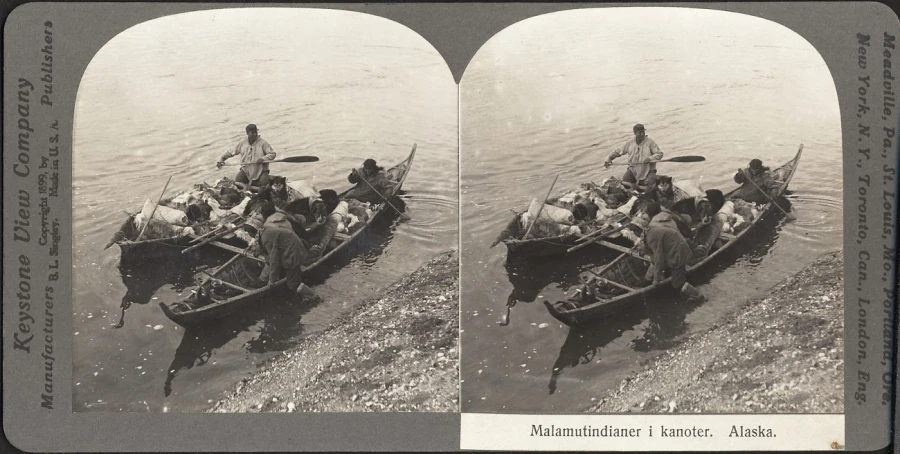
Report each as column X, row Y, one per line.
column 668, row 248
column 283, row 249
column 749, row 192
column 363, row 192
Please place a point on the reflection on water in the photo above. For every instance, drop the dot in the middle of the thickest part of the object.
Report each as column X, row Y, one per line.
column 198, row 344
column 529, row 277
column 142, row 280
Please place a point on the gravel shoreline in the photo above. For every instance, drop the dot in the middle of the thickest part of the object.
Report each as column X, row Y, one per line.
column 397, row 352
column 783, row 353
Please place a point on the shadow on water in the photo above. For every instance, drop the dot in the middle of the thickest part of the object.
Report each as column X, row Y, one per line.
column 530, row 276
column 666, row 323
column 279, row 316
column 143, row 279
column 665, row 313
column 198, row 344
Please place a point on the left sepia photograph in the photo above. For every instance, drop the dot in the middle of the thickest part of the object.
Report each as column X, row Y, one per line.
column 265, row 217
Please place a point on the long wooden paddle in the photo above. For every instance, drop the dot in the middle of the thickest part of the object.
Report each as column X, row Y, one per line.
column 403, row 216
column 292, row 159
column 525, row 237
column 147, row 221
column 787, row 215
column 675, row 159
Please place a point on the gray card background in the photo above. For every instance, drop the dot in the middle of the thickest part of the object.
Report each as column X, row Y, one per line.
column 456, row 31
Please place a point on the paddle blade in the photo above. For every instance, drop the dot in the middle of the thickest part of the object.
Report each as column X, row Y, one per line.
column 298, row 159
column 686, row 159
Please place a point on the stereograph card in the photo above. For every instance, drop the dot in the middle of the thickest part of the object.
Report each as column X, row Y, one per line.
column 411, row 291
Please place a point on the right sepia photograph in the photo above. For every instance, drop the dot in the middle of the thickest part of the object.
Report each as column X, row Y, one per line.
column 651, row 217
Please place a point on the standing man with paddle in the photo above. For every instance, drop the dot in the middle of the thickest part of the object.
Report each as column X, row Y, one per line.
column 254, row 152
column 641, row 151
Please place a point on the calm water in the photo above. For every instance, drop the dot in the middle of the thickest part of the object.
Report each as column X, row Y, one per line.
column 554, row 95
column 166, row 98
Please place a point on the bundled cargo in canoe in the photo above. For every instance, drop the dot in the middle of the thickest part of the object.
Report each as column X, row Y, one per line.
column 199, row 212
column 583, row 214
column 234, row 284
column 623, row 281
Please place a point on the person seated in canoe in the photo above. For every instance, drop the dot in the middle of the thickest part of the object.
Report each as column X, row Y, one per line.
column 254, row 152
column 700, row 209
column 314, row 220
column 641, row 152
column 669, row 252
column 284, row 251
column 757, row 184
column 372, row 184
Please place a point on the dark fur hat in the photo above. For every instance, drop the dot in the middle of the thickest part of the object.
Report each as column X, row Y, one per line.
column 330, row 197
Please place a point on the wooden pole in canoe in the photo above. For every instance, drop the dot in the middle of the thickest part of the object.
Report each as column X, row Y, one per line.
column 227, row 284
column 147, row 221
column 403, row 216
column 212, row 238
column 524, row 237
column 609, row 265
column 626, row 250
column 220, row 268
column 214, row 231
column 599, row 236
column 787, row 215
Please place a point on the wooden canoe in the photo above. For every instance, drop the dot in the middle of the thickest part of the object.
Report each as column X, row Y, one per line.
column 239, row 273
column 518, row 247
column 156, row 246
column 146, row 249
column 630, row 266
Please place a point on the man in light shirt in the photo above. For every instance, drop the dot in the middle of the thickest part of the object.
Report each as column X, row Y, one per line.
column 254, row 152
column 641, row 151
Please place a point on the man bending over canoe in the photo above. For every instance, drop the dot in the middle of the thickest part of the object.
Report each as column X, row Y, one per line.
column 641, row 151
column 669, row 251
column 315, row 221
column 372, row 185
column 285, row 252
column 254, row 152
column 756, row 183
